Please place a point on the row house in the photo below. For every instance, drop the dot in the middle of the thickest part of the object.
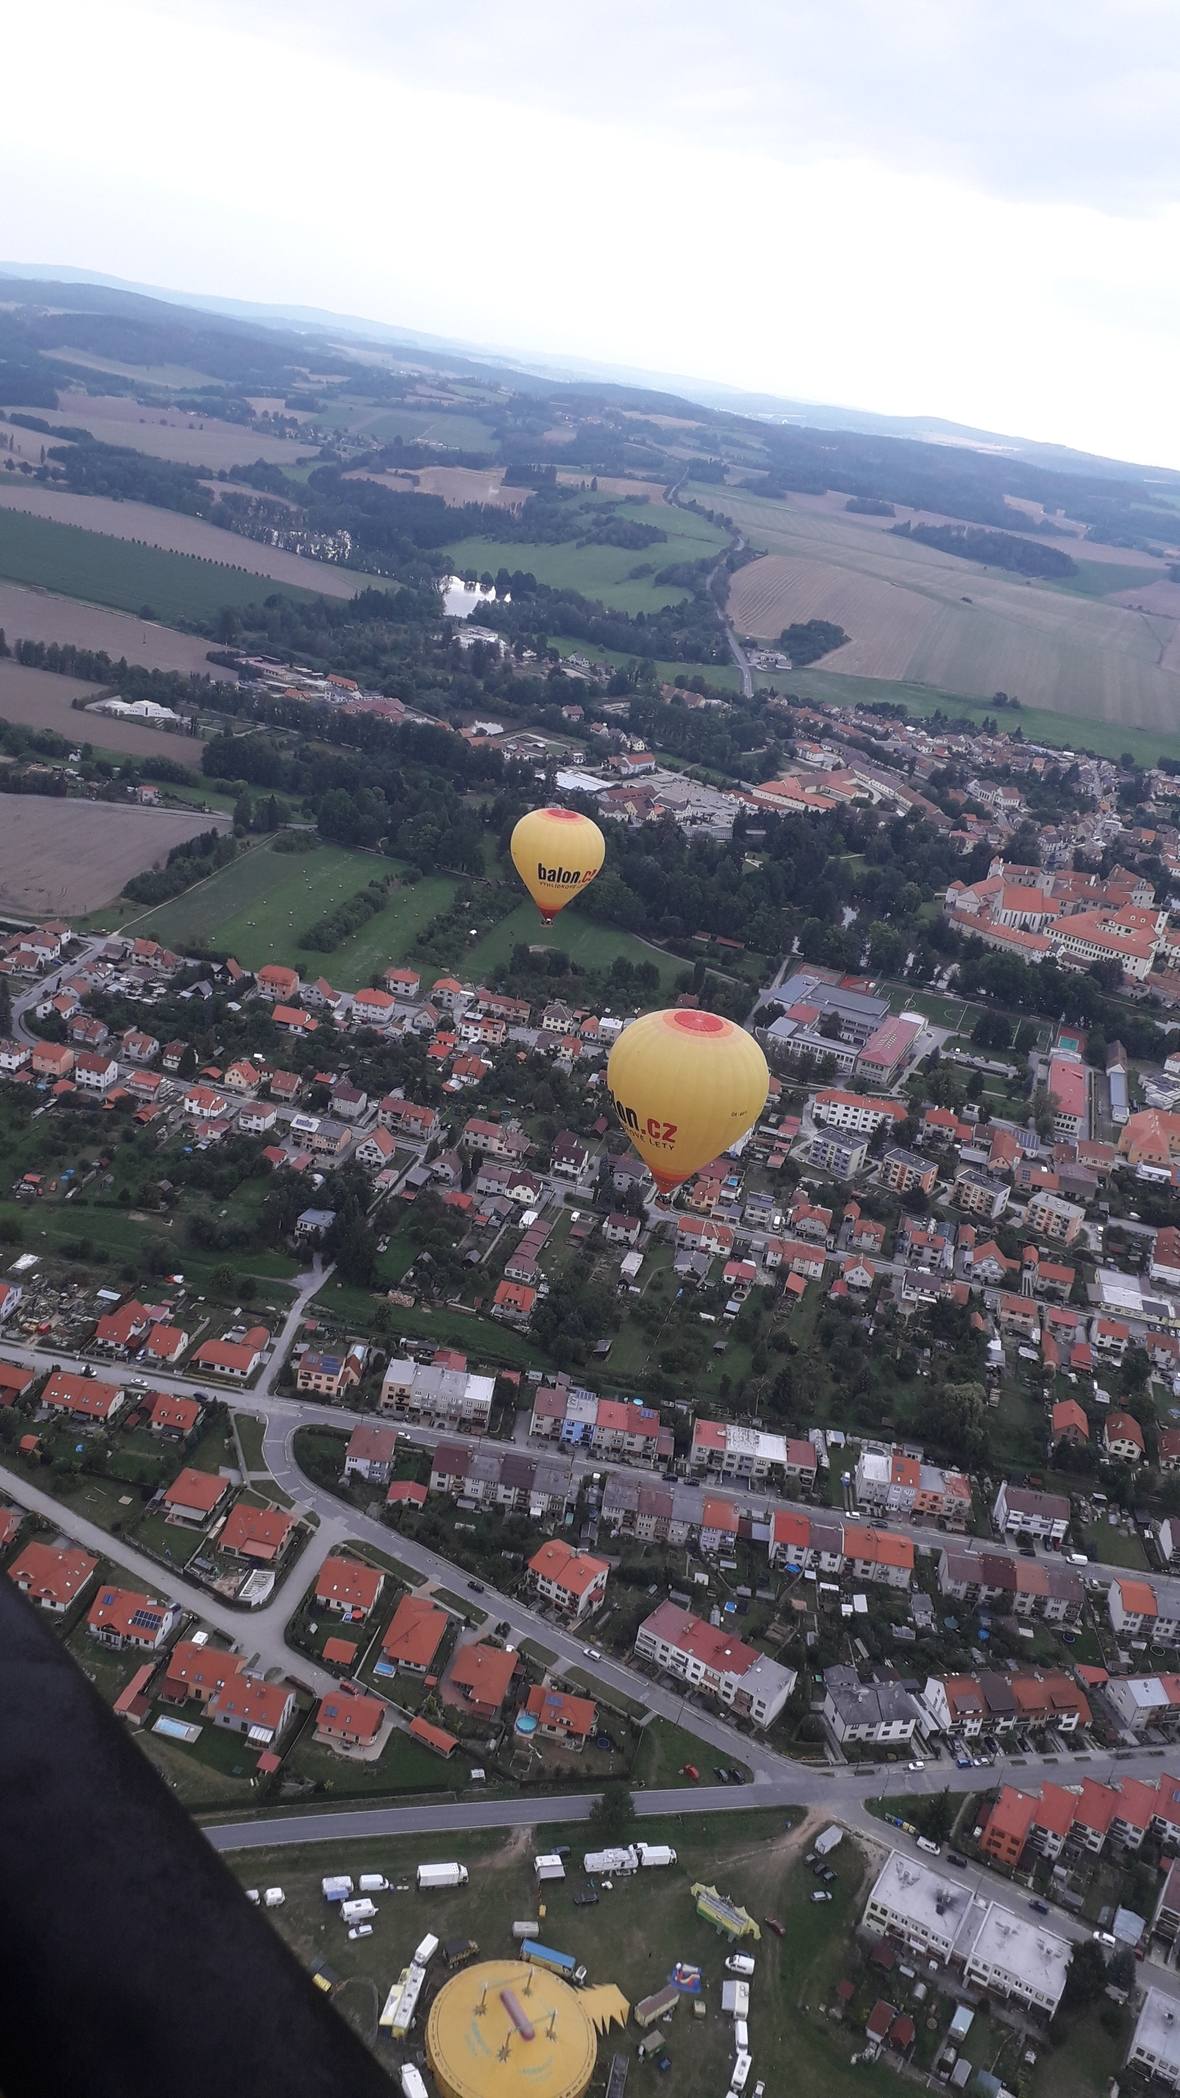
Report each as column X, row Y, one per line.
column 498, row 1139
column 800, row 1543
column 1019, row 1587
column 1085, row 1816
column 891, row 1481
column 712, row 1659
column 622, row 1429
column 995, row 1703
column 1019, row 1510
column 542, row 1487
column 879, row 1711
column 797, row 1257
column 658, row 1513
column 87, row 1400
column 437, row 1394
column 724, row 1450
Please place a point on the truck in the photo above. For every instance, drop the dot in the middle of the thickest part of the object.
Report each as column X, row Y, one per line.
column 441, row 1876
column 739, row 2073
column 648, row 2045
column 362, row 1911
column 274, row 1897
column 336, row 1888
column 655, row 1854
column 549, row 1866
column 562, row 1963
column 411, row 2081
column 828, row 1842
column 652, row 2008
column 424, row 1953
column 599, row 1861
column 520, row 1931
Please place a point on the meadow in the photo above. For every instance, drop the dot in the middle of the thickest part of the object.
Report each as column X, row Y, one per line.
column 455, row 429
column 257, row 907
column 602, row 572
column 922, row 617
column 74, row 562
column 171, row 531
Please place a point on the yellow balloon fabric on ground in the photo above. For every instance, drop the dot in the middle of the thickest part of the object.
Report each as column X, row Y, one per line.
column 557, row 854
column 685, row 1085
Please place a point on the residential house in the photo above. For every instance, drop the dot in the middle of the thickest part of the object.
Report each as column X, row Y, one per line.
column 349, row 1720
column 1122, row 1437
column 331, row 1375
column 371, row 1454
column 120, row 1617
column 53, row 1576
column 194, row 1497
column 413, row 1636
column 1042, row 1516
column 480, row 1677
column 348, row 1588
column 878, row 1711
column 570, row 1721
column 260, row 1535
column 86, row 1400
column 573, row 1581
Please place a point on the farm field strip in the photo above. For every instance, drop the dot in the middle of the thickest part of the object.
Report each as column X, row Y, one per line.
column 164, row 432
column 37, row 614
column 70, row 865
column 41, row 699
column 170, row 531
column 105, row 570
column 919, row 615
column 1037, row 724
column 588, row 943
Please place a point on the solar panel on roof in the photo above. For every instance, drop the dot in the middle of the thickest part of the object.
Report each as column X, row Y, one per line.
column 108, row 1599
column 145, row 1620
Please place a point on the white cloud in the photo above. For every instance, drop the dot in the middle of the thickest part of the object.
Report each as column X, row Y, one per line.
column 712, row 213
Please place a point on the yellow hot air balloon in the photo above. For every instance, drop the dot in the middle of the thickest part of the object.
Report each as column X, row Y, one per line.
column 684, row 1086
column 557, row 854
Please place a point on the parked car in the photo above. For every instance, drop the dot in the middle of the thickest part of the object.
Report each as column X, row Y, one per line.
column 1042, row 1909
column 476, row 1587
column 587, row 1899
column 953, row 1858
column 821, row 1894
column 779, row 1929
column 917, row 1764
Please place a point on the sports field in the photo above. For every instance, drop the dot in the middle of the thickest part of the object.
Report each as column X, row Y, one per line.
column 73, row 562
column 257, row 908
column 602, row 572
column 923, row 617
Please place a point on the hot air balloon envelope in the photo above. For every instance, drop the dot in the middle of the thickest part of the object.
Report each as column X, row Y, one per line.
column 557, row 854
column 685, row 1085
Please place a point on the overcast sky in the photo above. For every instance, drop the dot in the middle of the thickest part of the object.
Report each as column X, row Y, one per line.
column 966, row 208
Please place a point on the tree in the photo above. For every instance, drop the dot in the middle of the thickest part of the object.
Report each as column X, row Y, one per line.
column 612, row 1814
column 1086, row 1981
column 222, row 1279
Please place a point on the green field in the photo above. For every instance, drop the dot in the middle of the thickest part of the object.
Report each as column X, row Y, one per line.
column 918, row 616
column 257, row 907
column 723, row 675
column 452, row 428
column 589, row 944
column 1106, row 739
column 107, row 571
column 602, row 572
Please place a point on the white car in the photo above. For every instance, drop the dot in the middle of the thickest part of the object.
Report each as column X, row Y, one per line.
column 592, row 1653
column 915, row 1766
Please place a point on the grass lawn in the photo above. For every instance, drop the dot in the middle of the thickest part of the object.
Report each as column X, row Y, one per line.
column 664, row 1749
column 215, row 1451
column 251, row 1431
column 589, row 944
column 210, row 1777
column 112, row 1232
column 602, row 572
column 404, row 1766
column 107, row 571
column 388, row 1560
column 172, row 1542
column 485, row 1341
column 534, row 1651
column 1113, row 1547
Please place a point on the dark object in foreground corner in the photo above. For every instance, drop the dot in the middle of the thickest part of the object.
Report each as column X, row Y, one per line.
column 133, row 1964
